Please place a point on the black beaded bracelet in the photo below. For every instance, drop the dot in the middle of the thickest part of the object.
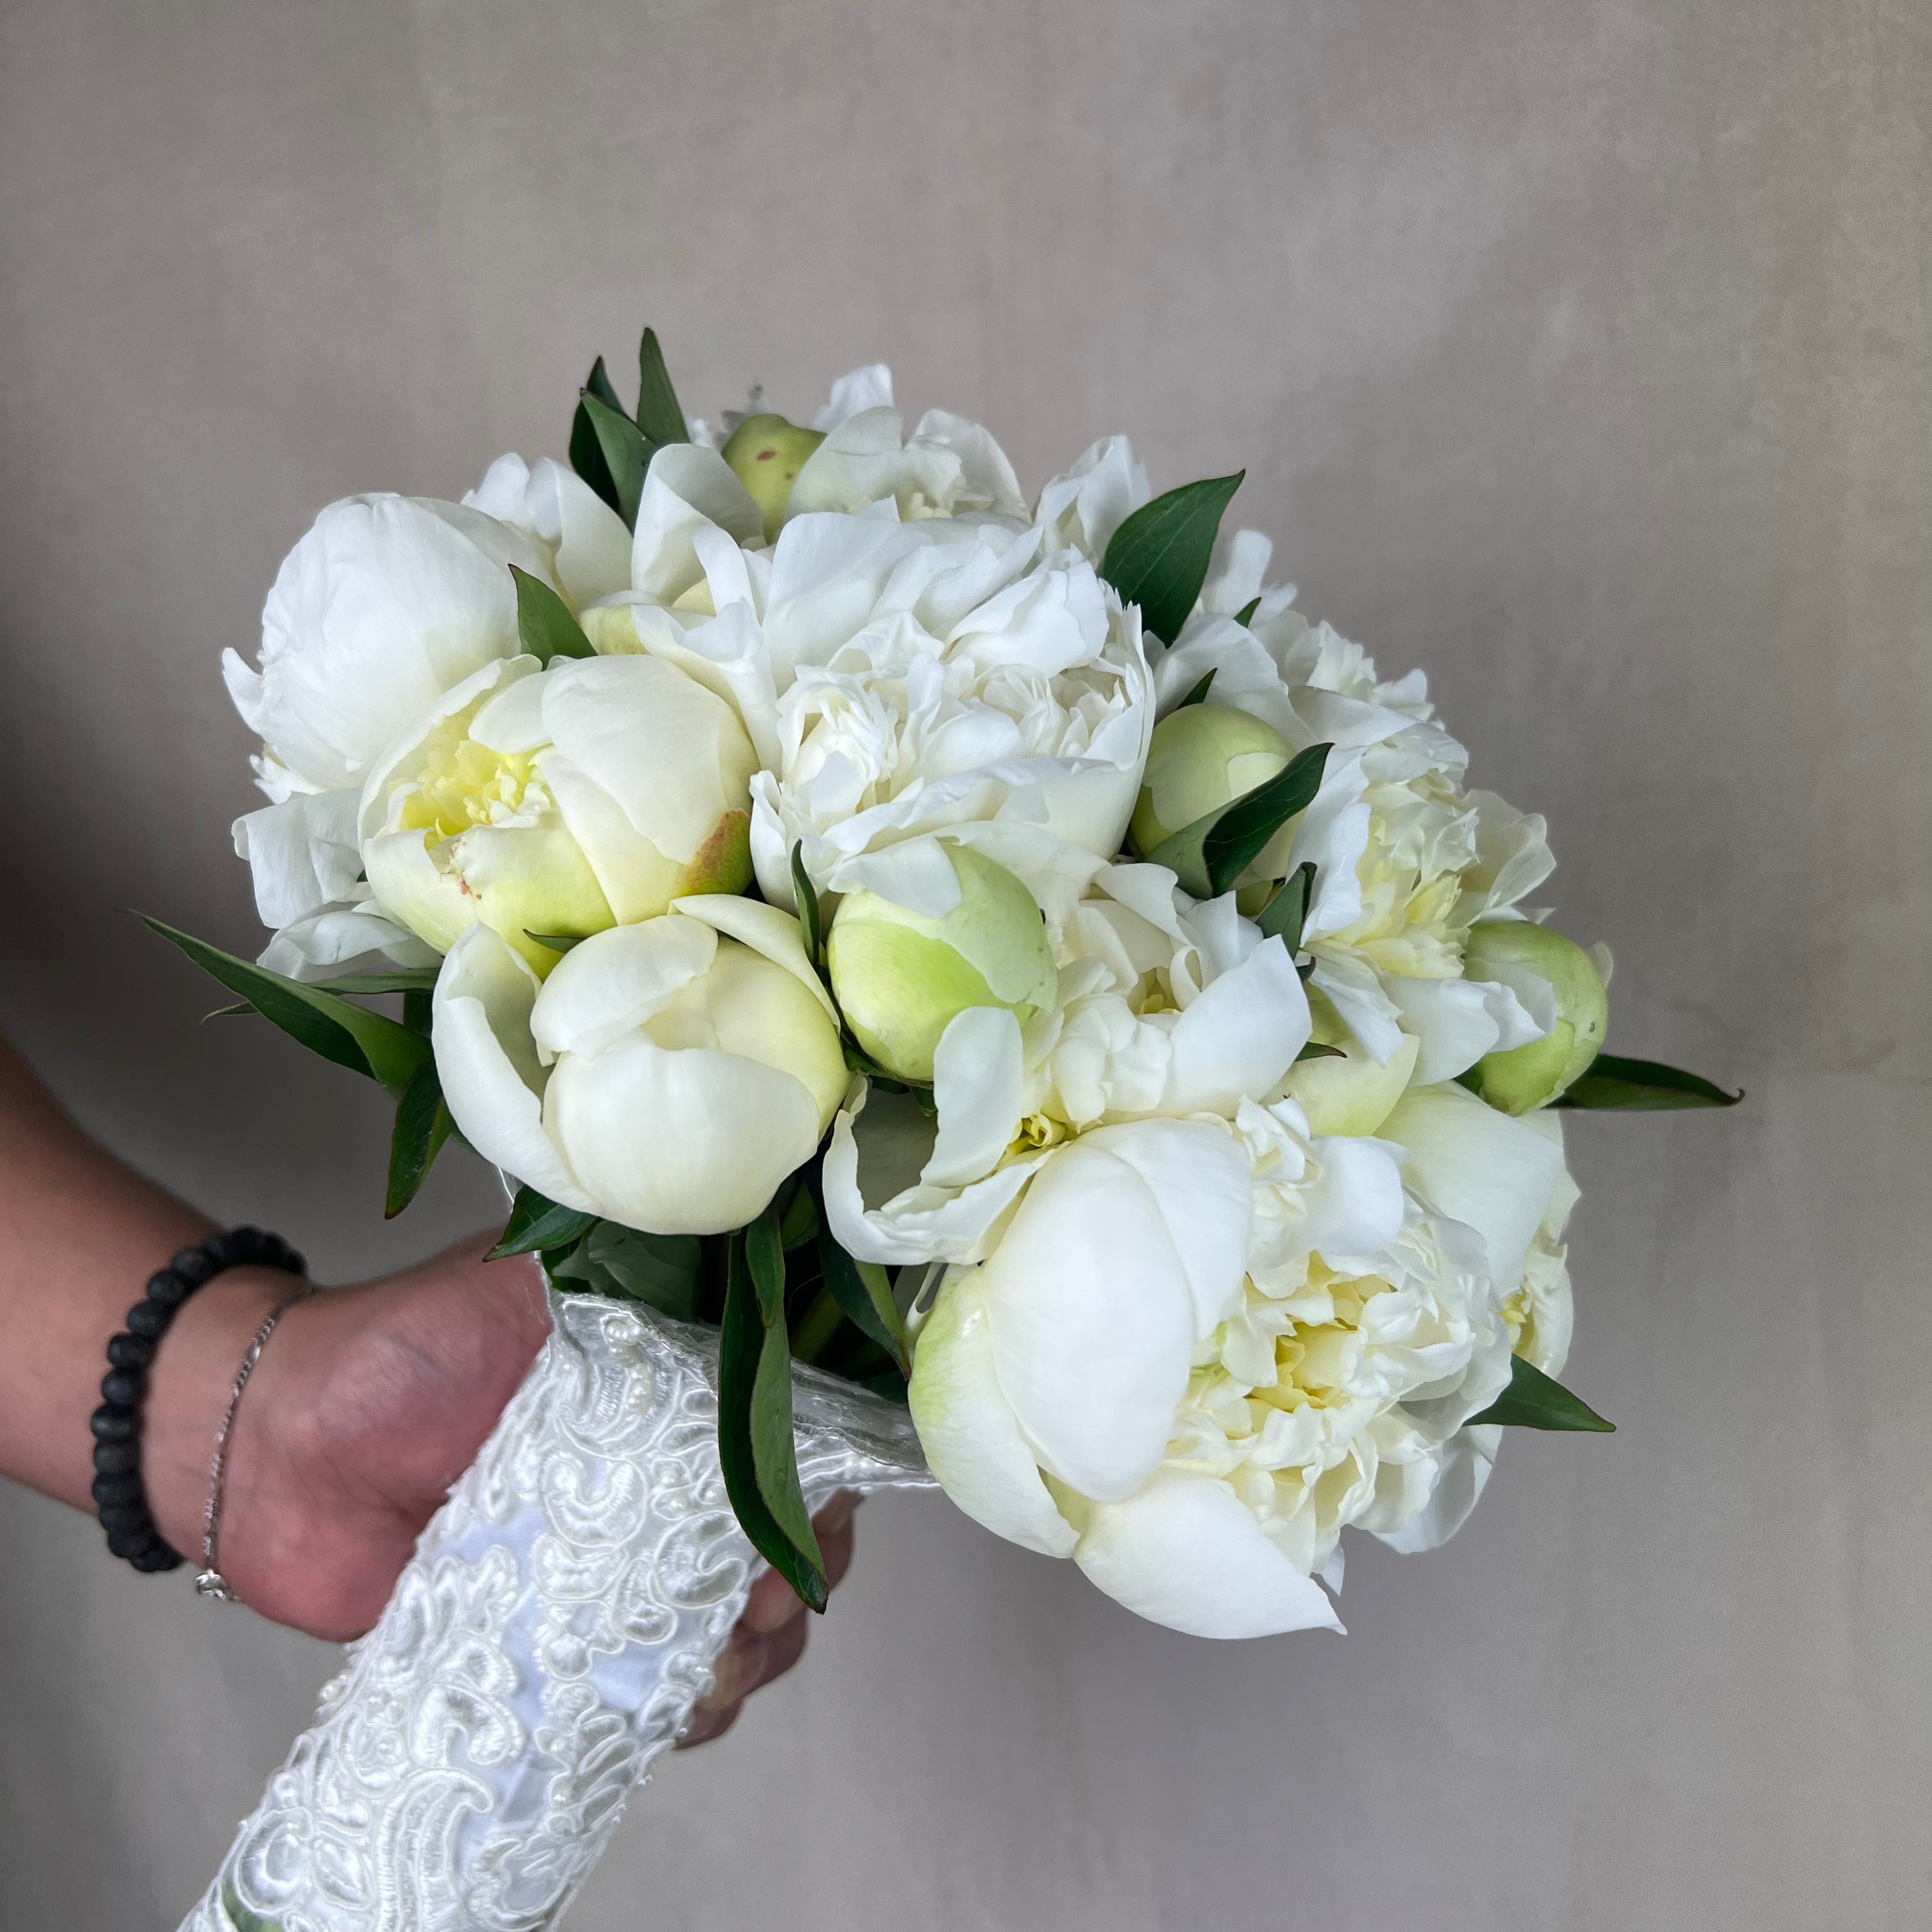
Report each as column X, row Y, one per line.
column 119, row 1495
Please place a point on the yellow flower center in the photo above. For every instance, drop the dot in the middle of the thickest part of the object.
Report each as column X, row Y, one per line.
column 1312, row 1361
column 463, row 784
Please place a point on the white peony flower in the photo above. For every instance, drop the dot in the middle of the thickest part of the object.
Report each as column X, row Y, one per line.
column 1406, row 860
column 558, row 800
column 667, row 1075
column 898, row 678
column 385, row 604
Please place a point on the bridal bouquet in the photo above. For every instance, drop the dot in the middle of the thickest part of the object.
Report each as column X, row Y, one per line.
column 997, row 950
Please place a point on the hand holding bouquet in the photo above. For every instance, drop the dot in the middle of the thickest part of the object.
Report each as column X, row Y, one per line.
column 1002, row 953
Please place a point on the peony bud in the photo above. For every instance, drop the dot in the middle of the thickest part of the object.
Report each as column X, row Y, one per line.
column 1528, row 1077
column 1202, row 757
column 766, row 454
column 900, row 977
column 1351, row 1094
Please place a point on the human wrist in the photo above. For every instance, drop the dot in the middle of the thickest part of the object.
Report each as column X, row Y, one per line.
column 188, row 1389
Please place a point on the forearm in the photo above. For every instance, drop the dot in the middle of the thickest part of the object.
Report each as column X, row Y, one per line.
column 82, row 1235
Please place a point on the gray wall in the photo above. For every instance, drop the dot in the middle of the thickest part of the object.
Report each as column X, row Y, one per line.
column 1578, row 352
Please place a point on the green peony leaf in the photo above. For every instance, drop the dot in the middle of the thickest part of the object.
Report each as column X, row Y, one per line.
column 422, row 1125
column 1158, row 556
column 1534, row 1401
column 626, row 454
column 586, row 452
column 600, row 386
column 658, row 415
column 864, row 1290
column 324, row 1022
column 1198, row 695
column 1612, row 1084
column 1245, row 615
column 1210, row 855
column 537, row 1222
column 809, row 915
column 756, row 1446
column 665, row 1271
column 401, row 980
column 1286, row 913
column 544, row 626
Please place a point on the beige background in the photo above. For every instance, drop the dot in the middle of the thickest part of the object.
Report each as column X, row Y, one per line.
column 1577, row 352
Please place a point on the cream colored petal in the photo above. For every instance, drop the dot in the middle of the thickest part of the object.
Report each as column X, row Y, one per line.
column 488, row 1064
column 687, row 1142
column 1185, row 1552
column 765, row 929
column 609, row 985
column 971, row 1441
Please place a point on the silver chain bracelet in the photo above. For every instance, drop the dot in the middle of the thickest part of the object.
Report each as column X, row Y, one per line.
column 211, row 1583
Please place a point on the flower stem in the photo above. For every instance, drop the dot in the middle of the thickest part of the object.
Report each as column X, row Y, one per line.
column 820, row 1320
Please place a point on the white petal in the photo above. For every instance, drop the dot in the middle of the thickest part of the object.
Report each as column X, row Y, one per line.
column 303, row 852
column 1494, row 1173
column 1199, row 1177
column 971, row 1441
column 487, row 1062
column 1239, row 1036
column 607, row 985
column 977, row 1076
column 1457, row 1022
column 1355, row 1209
column 686, row 488
column 1093, row 1323
column 691, row 1142
column 765, row 929
column 1467, row 1459
column 1357, row 994
column 1184, row 1551
column 870, row 388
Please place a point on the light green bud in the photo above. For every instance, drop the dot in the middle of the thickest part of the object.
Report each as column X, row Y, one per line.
column 1528, row 1077
column 899, row 976
column 1350, row 1094
column 1202, row 757
column 766, row 454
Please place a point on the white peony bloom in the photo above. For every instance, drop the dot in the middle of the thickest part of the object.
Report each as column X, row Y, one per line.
column 898, row 678
column 385, row 604
column 1131, row 1377
column 1406, row 860
column 667, row 1075
column 1196, row 1423
column 558, row 800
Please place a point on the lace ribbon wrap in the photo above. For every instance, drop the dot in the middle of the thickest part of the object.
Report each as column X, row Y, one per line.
column 560, row 1617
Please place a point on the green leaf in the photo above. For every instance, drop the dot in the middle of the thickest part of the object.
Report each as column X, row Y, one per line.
column 1245, row 615
column 1315, row 1050
column 800, row 1221
column 326, row 1023
column 1210, row 855
column 422, row 1125
column 658, row 415
column 586, row 455
column 1198, row 695
column 626, row 455
column 1286, row 913
column 557, row 942
column 1611, row 1084
column 599, row 385
column 756, row 1448
column 1534, row 1401
column 538, row 1222
column 807, row 896
column 665, row 1271
column 419, row 1010
column 1159, row 557
column 865, row 1291
column 544, row 625
column 402, row 979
